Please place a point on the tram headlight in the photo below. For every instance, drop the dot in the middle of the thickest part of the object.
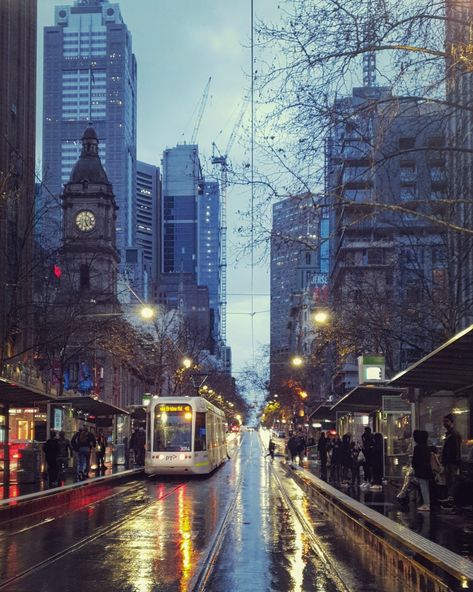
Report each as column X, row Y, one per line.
column 161, row 457
column 188, row 415
column 182, row 456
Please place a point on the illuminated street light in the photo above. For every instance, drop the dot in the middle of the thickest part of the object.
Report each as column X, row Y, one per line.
column 321, row 317
column 147, row 312
column 187, row 363
column 303, row 395
column 297, row 361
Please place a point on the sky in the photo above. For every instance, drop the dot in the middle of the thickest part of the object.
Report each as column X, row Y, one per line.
column 178, row 45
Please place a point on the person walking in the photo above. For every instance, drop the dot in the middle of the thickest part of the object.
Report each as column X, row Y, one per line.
column 65, row 449
column 101, row 447
column 322, row 448
column 367, row 445
column 86, row 442
column 51, row 453
column 301, row 448
column 271, row 449
column 293, row 447
column 422, row 467
column 335, row 460
column 355, row 464
column 451, row 455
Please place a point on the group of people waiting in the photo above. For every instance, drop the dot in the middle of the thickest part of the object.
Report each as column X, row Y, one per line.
column 430, row 470
column 341, row 459
column 58, row 449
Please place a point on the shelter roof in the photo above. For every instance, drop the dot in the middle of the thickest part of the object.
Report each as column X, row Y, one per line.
column 366, row 398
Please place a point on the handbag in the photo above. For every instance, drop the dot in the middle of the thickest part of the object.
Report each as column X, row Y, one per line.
column 361, row 458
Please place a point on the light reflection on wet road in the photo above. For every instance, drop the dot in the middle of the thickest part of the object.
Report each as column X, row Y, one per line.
column 159, row 548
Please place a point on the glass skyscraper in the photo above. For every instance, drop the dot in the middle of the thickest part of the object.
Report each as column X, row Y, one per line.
column 90, row 76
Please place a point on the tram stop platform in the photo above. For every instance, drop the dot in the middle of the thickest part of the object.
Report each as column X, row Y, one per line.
column 452, row 529
column 15, row 491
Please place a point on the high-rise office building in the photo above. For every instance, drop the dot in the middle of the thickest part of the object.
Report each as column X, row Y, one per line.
column 208, row 250
column 295, row 258
column 148, row 232
column 17, row 172
column 182, row 185
column 90, row 76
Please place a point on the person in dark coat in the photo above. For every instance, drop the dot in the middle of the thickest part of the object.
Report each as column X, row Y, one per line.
column 101, row 448
column 301, row 447
column 355, row 464
column 335, row 460
column 367, row 446
column 422, row 467
column 377, row 458
column 451, row 454
column 51, row 453
column 345, row 458
column 322, row 448
column 138, row 445
column 293, row 447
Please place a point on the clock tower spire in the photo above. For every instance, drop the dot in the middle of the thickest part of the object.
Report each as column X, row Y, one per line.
column 89, row 254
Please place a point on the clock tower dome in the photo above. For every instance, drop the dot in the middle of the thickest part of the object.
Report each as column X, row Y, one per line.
column 89, row 254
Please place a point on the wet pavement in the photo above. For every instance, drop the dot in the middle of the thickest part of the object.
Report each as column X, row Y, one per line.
column 152, row 535
column 452, row 531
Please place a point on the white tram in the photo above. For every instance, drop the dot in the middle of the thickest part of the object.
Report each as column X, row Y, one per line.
column 184, row 435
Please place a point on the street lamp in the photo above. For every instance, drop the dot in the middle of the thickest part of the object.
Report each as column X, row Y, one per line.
column 297, row 361
column 321, row 317
column 147, row 312
column 187, row 363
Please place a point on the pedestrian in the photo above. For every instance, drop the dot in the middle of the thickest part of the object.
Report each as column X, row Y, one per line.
column 75, row 452
column 451, row 455
column 335, row 460
column 51, row 453
column 377, row 462
column 271, row 449
column 101, row 448
column 355, row 464
column 138, row 443
column 86, row 441
column 301, row 448
column 322, row 449
column 65, row 449
column 367, row 445
column 345, row 459
column 293, row 447
column 421, row 463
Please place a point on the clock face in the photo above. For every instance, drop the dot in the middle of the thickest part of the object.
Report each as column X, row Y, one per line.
column 85, row 220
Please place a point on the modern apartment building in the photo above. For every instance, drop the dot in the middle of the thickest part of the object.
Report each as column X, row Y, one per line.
column 390, row 288
column 295, row 258
column 208, row 251
column 147, row 222
column 90, row 76
column 17, row 172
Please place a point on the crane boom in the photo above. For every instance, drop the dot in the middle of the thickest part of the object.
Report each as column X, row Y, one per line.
column 200, row 113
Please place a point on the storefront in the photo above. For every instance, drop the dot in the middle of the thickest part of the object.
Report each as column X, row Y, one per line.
column 384, row 410
column 442, row 383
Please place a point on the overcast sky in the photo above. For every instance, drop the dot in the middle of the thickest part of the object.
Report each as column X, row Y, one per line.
column 178, row 44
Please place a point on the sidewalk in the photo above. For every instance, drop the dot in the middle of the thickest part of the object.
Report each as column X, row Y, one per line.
column 14, row 489
column 452, row 531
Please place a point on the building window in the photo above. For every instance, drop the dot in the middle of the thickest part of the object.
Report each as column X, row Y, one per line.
column 406, row 143
column 407, row 193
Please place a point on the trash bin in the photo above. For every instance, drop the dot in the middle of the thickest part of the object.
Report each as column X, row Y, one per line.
column 29, row 465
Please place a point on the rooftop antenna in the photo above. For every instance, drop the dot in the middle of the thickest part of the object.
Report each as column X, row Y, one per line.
column 369, row 57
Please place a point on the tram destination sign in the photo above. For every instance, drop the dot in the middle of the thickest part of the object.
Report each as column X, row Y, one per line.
column 174, row 408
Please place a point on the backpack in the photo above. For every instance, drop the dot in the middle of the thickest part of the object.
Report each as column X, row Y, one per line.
column 84, row 438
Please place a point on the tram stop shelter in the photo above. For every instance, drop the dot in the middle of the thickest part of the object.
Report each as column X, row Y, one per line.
column 385, row 410
column 441, row 383
column 322, row 414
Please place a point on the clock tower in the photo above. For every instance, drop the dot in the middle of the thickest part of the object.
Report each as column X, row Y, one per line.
column 89, row 254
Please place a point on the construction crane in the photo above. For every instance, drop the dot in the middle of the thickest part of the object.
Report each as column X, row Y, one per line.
column 200, row 113
column 221, row 160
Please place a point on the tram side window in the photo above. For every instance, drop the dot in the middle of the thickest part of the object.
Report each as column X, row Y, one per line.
column 200, row 439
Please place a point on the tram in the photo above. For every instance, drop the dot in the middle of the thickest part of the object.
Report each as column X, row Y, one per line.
column 185, row 435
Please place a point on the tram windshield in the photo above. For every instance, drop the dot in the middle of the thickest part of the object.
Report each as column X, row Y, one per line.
column 172, row 428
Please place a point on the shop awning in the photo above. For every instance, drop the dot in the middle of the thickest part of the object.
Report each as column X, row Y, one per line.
column 91, row 406
column 18, row 395
column 365, row 398
column 322, row 411
column 449, row 367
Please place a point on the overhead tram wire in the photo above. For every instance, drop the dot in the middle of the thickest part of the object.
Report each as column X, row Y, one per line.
column 252, row 177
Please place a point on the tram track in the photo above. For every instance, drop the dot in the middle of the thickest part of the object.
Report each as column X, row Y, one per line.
column 117, row 524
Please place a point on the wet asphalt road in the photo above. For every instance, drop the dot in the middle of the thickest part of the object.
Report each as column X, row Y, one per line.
column 152, row 536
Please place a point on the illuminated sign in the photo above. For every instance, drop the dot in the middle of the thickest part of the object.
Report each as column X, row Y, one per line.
column 174, row 408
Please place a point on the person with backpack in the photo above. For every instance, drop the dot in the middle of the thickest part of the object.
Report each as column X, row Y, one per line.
column 86, row 441
column 293, row 447
column 421, row 463
column 271, row 449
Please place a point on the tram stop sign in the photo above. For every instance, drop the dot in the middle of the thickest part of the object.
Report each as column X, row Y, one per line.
column 371, row 368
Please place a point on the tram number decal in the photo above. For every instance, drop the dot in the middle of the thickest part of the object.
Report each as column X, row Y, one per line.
column 171, row 457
